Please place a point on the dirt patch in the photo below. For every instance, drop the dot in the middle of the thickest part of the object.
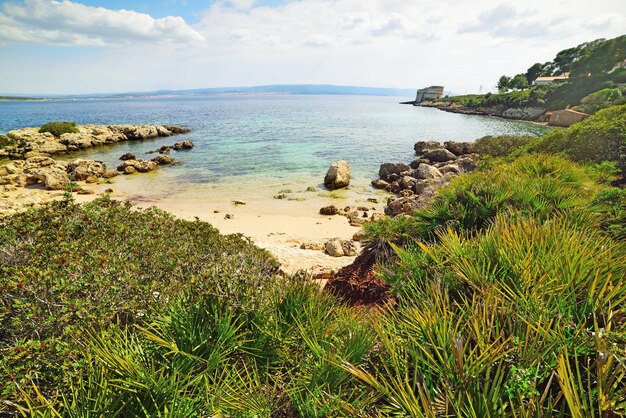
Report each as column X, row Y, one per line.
column 358, row 285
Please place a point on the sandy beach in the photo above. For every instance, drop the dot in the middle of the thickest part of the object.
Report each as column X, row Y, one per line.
column 280, row 226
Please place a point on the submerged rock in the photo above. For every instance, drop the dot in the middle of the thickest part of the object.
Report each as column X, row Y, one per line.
column 183, row 145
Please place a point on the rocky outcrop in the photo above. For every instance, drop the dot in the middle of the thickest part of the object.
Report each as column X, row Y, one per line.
column 338, row 175
column 29, row 140
column 81, row 170
column 416, row 183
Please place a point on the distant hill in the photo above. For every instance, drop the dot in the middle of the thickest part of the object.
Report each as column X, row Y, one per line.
column 269, row 89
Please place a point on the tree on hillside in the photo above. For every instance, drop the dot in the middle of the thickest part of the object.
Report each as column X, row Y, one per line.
column 533, row 72
column 504, row 84
column 519, row 82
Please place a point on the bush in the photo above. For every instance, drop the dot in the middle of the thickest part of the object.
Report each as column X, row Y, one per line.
column 67, row 268
column 610, row 204
column 487, row 320
column 5, row 141
column 59, row 128
column 602, row 99
column 502, row 145
column 601, row 137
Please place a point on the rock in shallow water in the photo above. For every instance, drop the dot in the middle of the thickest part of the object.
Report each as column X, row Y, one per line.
column 338, row 175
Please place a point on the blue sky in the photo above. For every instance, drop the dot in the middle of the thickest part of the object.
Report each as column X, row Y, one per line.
column 190, row 10
column 89, row 46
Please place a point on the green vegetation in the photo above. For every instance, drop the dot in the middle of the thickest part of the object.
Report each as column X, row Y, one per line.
column 596, row 81
column 59, row 128
column 502, row 145
column 508, row 288
column 602, row 137
column 5, row 141
column 18, row 98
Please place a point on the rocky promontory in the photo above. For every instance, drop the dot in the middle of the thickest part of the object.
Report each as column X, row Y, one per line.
column 31, row 159
column 534, row 114
column 26, row 142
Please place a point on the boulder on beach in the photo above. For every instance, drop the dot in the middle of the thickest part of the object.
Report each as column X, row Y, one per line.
column 334, row 248
column 329, row 210
column 128, row 156
column 380, row 184
column 52, row 177
column 338, row 175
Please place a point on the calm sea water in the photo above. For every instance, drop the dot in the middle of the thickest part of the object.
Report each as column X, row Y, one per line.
column 284, row 140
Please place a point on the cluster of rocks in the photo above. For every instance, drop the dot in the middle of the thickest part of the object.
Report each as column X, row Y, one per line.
column 178, row 146
column 32, row 163
column 335, row 247
column 131, row 164
column 53, row 174
column 414, row 183
column 29, row 141
column 357, row 216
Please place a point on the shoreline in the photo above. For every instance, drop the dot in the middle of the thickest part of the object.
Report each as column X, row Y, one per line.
column 499, row 113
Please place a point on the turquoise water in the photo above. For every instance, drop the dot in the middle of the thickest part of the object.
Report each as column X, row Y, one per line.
column 284, row 140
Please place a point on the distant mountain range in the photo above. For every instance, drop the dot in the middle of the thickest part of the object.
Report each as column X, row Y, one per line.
column 270, row 89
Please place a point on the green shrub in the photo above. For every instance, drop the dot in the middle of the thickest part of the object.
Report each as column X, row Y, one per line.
column 66, row 268
column 486, row 320
column 502, row 145
column 5, row 141
column 602, row 99
column 59, row 128
column 610, row 204
column 601, row 137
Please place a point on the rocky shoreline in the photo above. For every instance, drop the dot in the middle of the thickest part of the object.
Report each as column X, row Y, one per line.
column 433, row 166
column 29, row 159
column 532, row 114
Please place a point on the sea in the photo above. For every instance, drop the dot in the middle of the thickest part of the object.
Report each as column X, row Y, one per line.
column 263, row 145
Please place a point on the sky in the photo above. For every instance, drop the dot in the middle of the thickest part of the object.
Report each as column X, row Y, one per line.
column 92, row 46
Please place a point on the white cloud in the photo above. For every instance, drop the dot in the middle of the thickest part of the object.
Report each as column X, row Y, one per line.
column 462, row 44
column 70, row 23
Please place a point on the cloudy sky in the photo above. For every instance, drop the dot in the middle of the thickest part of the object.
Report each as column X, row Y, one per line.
column 92, row 46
